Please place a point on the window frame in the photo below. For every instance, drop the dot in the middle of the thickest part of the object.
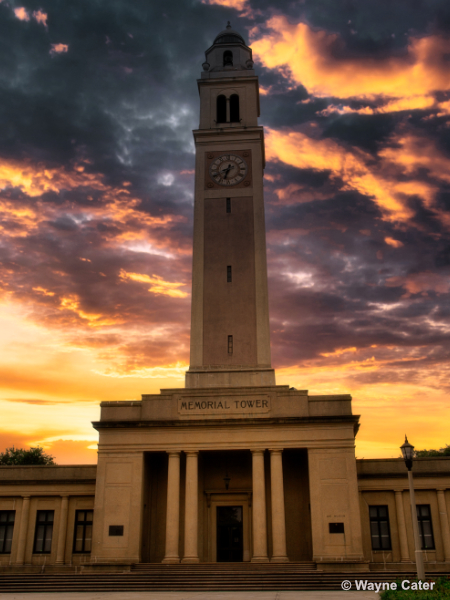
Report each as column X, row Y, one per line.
column 420, row 520
column 378, row 519
column 82, row 524
column 48, row 526
column 8, row 525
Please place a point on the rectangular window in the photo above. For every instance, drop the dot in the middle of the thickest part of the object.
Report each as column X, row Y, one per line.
column 82, row 540
column 425, row 526
column 379, row 528
column 7, row 518
column 44, row 532
column 228, row 205
column 229, row 274
column 230, row 344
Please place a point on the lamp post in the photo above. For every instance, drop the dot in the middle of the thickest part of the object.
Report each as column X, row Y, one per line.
column 408, row 453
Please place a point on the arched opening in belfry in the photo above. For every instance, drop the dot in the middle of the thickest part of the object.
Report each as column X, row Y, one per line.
column 234, row 108
column 221, row 109
column 227, row 58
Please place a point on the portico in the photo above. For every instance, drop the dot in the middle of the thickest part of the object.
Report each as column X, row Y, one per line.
column 187, row 460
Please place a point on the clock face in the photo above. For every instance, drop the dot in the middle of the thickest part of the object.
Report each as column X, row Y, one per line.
column 228, row 169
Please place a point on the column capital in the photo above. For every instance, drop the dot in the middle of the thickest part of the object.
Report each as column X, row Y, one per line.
column 257, row 450
column 65, row 495
column 26, row 496
column 191, row 452
column 441, row 489
column 276, row 450
column 173, row 452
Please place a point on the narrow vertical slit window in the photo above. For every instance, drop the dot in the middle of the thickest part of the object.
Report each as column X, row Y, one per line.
column 7, row 518
column 230, row 344
column 228, row 205
column 229, row 277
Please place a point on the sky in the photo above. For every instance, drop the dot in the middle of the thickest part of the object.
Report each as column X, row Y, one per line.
column 98, row 102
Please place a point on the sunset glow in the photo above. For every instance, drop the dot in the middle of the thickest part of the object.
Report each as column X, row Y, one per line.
column 96, row 209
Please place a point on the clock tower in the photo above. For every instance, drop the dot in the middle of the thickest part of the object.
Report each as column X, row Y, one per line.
column 230, row 339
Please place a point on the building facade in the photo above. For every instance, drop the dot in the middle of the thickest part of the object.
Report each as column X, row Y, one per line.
column 232, row 467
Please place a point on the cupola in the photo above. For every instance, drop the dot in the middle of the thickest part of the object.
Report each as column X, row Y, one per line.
column 229, row 56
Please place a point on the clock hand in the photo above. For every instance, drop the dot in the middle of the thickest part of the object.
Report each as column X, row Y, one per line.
column 226, row 171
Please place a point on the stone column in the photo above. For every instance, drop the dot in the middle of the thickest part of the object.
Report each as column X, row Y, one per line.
column 404, row 551
column 279, row 553
column 173, row 509
column 23, row 530
column 60, row 550
column 443, row 516
column 191, row 509
column 259, row 508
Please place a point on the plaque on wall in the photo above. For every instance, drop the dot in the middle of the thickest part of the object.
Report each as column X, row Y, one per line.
column 223, row 405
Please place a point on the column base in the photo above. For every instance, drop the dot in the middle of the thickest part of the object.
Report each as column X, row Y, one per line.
column 260, row 559
column 279, row 559
column 190, row 560
column 170, row 560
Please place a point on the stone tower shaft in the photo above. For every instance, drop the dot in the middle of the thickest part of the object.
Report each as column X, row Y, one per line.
column 230, row 339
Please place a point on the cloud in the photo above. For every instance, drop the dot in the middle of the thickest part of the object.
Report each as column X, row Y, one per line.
column 41, row 17
column 59, row 48
column 96, row 204
column 21, row 13
column 239, row 5
column 318, row 60
column 158, row 285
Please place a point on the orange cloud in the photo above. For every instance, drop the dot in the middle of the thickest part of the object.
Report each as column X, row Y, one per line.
column 43, row 291
column 339, row 352
column 116, row 205
column 237, row 4
column 397, row 105
column 59, row 48
column 21, row 13
column 158, row 285
column 317, row 60
column 303, row 152
column 394, row 243
column 421, row 283
column 358, row 172
column 40, row 17
column 72, row 303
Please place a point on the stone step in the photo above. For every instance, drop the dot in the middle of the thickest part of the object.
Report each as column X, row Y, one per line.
column 174, row 579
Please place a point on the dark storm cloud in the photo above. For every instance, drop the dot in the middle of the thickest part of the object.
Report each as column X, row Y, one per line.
column 120, row 105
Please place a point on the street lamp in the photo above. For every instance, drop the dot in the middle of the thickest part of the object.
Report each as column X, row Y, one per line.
column 408, row 453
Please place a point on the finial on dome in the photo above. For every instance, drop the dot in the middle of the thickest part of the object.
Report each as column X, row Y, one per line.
column 228, row 25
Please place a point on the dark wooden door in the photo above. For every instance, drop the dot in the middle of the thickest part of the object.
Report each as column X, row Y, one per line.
column 229, row 534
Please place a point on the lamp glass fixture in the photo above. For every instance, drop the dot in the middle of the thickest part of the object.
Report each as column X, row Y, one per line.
column 407, row 450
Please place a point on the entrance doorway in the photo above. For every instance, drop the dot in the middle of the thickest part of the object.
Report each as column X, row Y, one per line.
column 229, row 534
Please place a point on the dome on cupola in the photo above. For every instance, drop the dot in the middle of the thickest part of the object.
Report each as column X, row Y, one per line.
column 229, row 36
